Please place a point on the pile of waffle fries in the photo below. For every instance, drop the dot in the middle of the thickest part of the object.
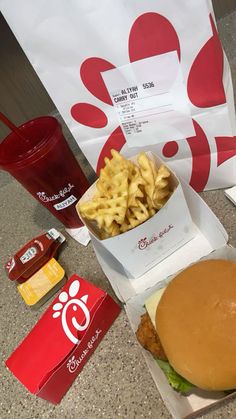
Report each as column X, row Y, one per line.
column 127, row 194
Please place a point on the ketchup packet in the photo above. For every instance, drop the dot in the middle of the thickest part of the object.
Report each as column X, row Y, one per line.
column 34, row 255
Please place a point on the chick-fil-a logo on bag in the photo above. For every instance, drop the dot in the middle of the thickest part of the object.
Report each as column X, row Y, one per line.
column 204, row 86
column 71, row 323
column 145, row 242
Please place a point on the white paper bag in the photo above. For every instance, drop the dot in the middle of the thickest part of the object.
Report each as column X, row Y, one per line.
column 72, row 44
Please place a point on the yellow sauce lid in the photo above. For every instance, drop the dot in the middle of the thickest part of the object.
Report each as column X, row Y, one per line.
column 43, row 281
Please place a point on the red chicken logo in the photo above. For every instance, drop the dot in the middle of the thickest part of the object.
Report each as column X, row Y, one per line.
column 152, row 34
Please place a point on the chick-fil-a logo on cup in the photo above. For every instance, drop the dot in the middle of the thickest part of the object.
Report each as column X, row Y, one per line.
column 61, row 194
column 145, row 242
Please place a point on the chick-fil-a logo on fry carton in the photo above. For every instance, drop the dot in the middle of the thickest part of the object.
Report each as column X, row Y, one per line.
column 145, row 242
column 67, row 301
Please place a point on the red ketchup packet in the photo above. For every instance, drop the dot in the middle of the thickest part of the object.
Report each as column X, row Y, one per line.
column 34, row 255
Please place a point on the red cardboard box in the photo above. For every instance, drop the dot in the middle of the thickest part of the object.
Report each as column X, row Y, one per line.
column 55, row 351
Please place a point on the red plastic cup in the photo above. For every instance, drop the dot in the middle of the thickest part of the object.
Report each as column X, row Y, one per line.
column 45, row 165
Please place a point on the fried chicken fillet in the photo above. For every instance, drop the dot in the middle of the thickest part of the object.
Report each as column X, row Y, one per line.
column 148, row 337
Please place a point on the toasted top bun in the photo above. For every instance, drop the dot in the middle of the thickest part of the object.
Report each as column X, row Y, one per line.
column 196, row 323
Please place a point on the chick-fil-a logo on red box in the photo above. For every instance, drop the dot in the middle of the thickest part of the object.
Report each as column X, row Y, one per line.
column 77, row 305
column 145, row 242
column 74, row 363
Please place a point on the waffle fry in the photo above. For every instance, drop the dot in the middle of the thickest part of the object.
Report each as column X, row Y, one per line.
column 104, row 211
column 114, row 186
column 146, row 169
column 135, row 192
column 127, row 194
column 162, row 191
column 134, row 217
column 111, row 231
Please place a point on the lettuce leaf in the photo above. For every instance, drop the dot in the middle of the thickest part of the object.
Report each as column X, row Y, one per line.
column 175, row 380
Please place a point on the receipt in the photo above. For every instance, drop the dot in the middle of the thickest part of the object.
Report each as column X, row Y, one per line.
column 150, row 100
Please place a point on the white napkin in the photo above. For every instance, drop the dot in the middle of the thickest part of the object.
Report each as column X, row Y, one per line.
column 80, row 234
column 231, row 194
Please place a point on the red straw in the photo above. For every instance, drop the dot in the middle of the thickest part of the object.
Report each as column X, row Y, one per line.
column 11, row 126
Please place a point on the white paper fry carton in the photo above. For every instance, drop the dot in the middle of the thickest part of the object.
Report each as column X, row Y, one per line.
column 210, row 241
column 141, row 248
